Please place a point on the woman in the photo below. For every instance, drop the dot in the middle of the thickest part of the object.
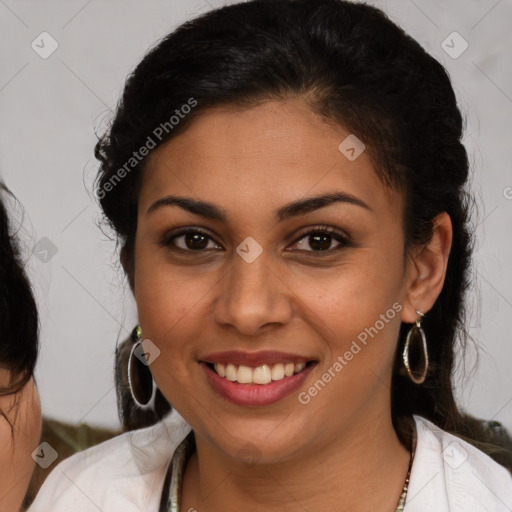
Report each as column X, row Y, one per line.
column 288, row 184
column 20, row 410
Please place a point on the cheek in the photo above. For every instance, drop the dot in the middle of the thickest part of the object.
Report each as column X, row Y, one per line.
column 353, row 295
column 169, row 298
column 24, row 411
column 358, row 321
column 161, row 293
column 169, row 313
column 355, row 308
column 361, row 335
column 172, row 307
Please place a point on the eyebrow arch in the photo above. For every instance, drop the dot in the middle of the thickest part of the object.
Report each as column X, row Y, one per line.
column 293, row 209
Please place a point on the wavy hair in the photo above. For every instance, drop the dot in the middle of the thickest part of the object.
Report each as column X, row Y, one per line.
column 19, row 343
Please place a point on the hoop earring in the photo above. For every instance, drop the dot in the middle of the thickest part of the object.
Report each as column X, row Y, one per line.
column 415, row 335
column 139, row 380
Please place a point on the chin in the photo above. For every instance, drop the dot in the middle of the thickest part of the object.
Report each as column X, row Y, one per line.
column 256, row 440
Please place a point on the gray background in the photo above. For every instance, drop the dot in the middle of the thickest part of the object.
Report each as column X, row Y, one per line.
column 51, row 107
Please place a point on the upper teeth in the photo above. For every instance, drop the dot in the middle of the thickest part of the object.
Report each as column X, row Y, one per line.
column 258, row 375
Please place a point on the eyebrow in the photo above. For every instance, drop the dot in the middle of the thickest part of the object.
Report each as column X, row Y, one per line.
column 293, row 209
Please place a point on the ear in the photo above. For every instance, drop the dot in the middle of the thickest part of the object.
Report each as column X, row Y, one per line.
column 128, row 267
column 427, row 270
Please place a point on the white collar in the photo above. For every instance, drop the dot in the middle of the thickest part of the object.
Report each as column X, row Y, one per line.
column 451, row 475
column 447, row 475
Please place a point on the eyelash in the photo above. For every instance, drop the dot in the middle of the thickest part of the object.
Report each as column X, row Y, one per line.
column 344, row 240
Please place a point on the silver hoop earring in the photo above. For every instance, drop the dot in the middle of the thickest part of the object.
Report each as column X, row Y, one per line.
column 140, row 381
column 414, row 336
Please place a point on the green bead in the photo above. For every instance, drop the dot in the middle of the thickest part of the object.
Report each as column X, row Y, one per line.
column 136, row 333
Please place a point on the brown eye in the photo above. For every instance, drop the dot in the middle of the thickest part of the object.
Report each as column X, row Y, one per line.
column 194, row 241
column 321, row 240
column 190, row 240
column 314, row 241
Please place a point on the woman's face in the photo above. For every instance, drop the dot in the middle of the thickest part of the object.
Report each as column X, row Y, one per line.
column 268, row 284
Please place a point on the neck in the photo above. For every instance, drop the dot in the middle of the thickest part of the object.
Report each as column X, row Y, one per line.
column 362, row 470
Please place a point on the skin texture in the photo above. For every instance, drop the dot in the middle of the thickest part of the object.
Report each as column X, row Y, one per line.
column 293, row 298
column 16, row 463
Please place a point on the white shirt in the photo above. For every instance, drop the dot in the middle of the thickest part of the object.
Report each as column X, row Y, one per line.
column 126, row 474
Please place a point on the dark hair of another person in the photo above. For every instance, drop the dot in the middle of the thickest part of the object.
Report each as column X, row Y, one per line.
column 356, row 69
column 18, row 311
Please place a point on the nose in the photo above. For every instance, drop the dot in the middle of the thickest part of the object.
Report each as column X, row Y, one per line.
column 252, row 297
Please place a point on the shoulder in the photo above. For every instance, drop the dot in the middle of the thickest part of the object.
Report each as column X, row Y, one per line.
column 125, row 473
column 453, row 475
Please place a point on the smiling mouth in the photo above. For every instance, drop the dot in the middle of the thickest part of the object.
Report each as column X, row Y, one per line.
column 264, row 374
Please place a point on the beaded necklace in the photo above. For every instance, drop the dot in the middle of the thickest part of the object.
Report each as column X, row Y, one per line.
column 174, row 480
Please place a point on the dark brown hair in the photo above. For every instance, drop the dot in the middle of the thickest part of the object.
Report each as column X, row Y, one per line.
column 18, row 311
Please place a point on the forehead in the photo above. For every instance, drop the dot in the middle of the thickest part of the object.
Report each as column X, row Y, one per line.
column 275, row 152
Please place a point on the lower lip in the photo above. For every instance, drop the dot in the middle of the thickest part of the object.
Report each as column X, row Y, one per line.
column 256, row 394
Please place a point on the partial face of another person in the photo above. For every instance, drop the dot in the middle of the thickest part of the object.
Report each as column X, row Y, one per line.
column 255, row 281
column 23, row 409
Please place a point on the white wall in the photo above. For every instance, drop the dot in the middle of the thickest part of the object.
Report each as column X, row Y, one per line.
column 50, row 107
